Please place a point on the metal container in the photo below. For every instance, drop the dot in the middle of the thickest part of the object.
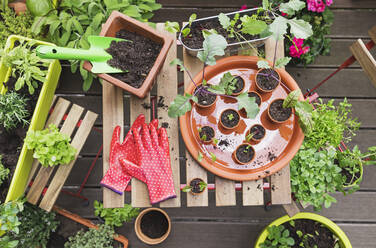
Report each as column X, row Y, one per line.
column 230, row 47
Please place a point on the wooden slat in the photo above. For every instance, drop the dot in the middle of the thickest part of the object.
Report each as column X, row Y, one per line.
column 42, row 177
column 365, row 59
column 253, row 193
column 140, row 194
column 291, row 209
column 63, row 171
column 372, row 33
column 113, row 115
column 224, row 192
column 194, row 170
column 281, row 187
column 167, row 87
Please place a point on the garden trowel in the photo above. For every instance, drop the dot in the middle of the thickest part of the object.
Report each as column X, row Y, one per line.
column 96, row 54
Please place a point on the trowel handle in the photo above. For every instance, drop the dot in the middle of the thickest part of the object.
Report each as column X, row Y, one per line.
column 53, row 52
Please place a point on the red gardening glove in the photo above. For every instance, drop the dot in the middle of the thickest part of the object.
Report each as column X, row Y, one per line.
column 153, row 156
column 116, row 178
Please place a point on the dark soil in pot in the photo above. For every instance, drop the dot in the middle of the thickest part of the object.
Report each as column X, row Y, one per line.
column 154, row 224
column 245, row 153
column 230, row 118
column 204, row 97
column 349, row 177
column 256, row 96
column 208, row 132
column 136, row 57
column 278, row 112
column 195, row 184
column 258, row 132
column 316, row 234
column 239, row 85
column 267, row 79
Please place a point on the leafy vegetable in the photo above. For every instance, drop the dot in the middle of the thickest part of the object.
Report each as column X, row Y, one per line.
column 13, row 110
column 39, row 7
column 252, row 26
column 226, row 85
column 50, row 146
column 263, row 64
column 278, row 237
column 4, row 172
column 98, row 238
column 115, row 216
column 282, row 62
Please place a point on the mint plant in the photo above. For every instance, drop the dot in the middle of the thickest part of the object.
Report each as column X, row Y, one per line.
column 278, row 237
column 98, row 238
column 4, row 172
column 26, row 66
column 13, row 111
column 115, row 216
column 214, row 45
column 50, row 146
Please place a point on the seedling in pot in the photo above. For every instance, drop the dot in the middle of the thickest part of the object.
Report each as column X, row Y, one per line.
column 206, row 134
column 256, row 133
column 229, row 119
column 214, row 45
column 174, row 27
column 277, row 113
column 195, row 186
column 244, row 154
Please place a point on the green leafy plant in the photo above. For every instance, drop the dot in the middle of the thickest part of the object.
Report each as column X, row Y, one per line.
column 202, row 185
column 230, row 117
column 37, row 226
column 278, row 237
column 50, row 146
column 4, row 172
column 98, row 238
column 73, row 21
column 213, row 45
column 13, row 110
column 115, row 216
column 9, row 222
column 26, row 66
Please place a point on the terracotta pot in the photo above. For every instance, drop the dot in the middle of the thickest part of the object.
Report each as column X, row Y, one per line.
column 257, row 95
column 253, row 138
column 87, row 223
column 264, row 90
column 207, row 142
column 229, row 128
column 118, row 21
column 343, row 239
column 194, row 193
column 274, row 120
column 142, row 236
column 241, row 91
column 236, row 158
column 205, row 106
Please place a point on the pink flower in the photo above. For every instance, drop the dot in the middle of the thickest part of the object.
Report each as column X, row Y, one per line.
column 284, row 14
column 329, row 2
column 297, row 50
column 243, row 7
column 317, row 5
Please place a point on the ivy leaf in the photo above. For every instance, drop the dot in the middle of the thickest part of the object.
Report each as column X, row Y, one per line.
column 278, row 28
column 292, row 99
column 224, row 20
column 181, row 105
column 263, row 64
column 282, row 62
column 172, row 27
column 179, row 63
column 249, row 104
column 200, row 156
column 292, row 6
column 300, row 28
column 214, row 45
column 252, row 26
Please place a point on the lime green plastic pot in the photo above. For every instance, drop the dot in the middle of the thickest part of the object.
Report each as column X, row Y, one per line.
column 19, row 180
column 344, row 240
column 357, row 181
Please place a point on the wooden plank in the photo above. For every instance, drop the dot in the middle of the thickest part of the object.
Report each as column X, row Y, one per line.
column 372, row 33
column 113, row 115
column 291, row 209
column 281, row 187
column 44, row 173
column 253, row 193
column 140, row 194
column 365, row 59
column 224, row 192
column 167, row 87
column 63, row 171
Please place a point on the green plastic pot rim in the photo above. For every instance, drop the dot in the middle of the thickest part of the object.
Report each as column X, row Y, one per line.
column 344, row 240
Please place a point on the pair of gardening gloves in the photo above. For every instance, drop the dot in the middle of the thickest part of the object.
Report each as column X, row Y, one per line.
column 145, row 155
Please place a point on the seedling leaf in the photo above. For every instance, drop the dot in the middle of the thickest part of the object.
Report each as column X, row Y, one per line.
column 300, row 28
column 263, row 64
column 252, row 26
column 292, row 6
column 181, row 105
column 179, row 63
column 281, row 62
column 279, row 27
column 291, row 99
column 224, row 20
column 213, row 45
column 249, row 104
column 172, row 27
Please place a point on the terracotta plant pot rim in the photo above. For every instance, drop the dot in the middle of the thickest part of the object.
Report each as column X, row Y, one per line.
column 263, row 90
column 205, row 106
column 291, row 149
column 143, row 237
column 274, row 120
column 357, row 181
column 344, row 240
column 240, row 162
column 257, row 140
column 206, row 141
column 229, row 128
column 194, row 193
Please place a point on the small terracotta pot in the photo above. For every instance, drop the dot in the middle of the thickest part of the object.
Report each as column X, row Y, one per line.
column 205, row 106
column 271, row 118
column 257, row 95
column 237, row 160
column 194, row 193
column 142, row 236
column 225, row 127
column 241, row 91
column 253, row 138
column 206, row 141
column 118, row 21
column 264, row 90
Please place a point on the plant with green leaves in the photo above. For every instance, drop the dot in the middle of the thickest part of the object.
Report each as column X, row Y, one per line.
column 174, row 27
column 26, row 66
column 13, row 111
column 202, row 186
column 98, row 238
column 214, row 45
column 37, row 226
column 9, row 222
column 73, row 21
column 115, row 216
column 278, row 237
column 50, row 146
column 4, row 172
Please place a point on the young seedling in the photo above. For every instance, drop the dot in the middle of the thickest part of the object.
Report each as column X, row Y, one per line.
column 174, row 27
column 246, row 150
column 230, row 117
column 202, row 186
column 278, row 236
column 248, row 138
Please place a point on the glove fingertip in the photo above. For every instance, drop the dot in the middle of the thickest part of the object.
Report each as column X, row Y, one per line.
column 154, row 123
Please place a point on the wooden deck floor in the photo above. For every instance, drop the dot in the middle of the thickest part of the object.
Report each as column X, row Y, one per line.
column 239, row 226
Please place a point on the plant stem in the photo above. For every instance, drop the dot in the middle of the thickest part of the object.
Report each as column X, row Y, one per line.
column 269, row 75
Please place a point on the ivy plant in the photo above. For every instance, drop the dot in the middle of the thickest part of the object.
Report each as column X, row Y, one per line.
column 50, row 146
column 26, row 66
column 278, row 237
column 4, row 172
column 98, row 238
column 9, row 222
column 13, row 110
column 73, row 21
column 115, row 216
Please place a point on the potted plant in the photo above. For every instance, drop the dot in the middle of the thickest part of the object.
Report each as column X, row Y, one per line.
column 256, row 133
column 205, row 99
column 34, row 80
column 206, row 134
column 244, row 154
column 142, row 58
column 277, row 113
column 267, row 80
column 239, row 85
column 303, row 230
column 152, row 226
column 196, row 186
column 229, row 119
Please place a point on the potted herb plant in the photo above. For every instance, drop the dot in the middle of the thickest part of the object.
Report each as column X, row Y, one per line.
column 303, row 230
column 206, row 134
column 35, row 80
column 196, row 186
column 244, row 154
